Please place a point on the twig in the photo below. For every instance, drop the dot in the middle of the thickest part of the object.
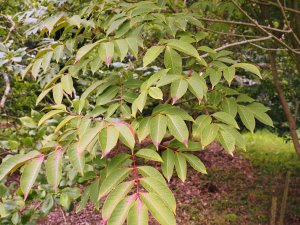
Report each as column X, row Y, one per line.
column 238, row 43
column 263, row 29
column 287, row 22
column 274, row 4
column 6, row 91
column 244, row 24
column 13, row 25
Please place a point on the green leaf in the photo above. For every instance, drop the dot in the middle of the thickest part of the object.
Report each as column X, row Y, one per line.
column 139, row 103
column 49, row 115
column 195, row 162
column 158, row 128
column 173, row 61
column 200, row 123
column 138, row 214
column 36, row 67
column 168, row 164
column 156, row 93
column 14, row 162
column 184, row 47
column 215, row 77
column 112, row 180
column 143, row 129
column 178, row 89
column 180, row 166
column 247, row 117
column 114, row 198
column 152, row 54
column 227, row 141
column 167, row 79
column 226, row 118
column 133, row 46
column 148, row 154
column 63, row 123
column 29, row 175
column 229, row 73
column 153, row 78
column 46, row 60
column 178, row 128
column 122, row 48
column 106, row 52
column 58, row 93
column 248, row 67
column 120, row 213
column 158, row 209
column 58, row 52
column 54, row 168
column 126, row 135
column 83, row 51
column 42, row 95
column 153, row 185
column 67, row 83
column 197, row 86
column 108, row 139
column 115, row 25
column 76, row 158
column 229, row 105
column 209, row 134
column 259, row 113
column 88, row 136
column 91, row 88
column 84, row 199
column 28, row 122
column 149, row 171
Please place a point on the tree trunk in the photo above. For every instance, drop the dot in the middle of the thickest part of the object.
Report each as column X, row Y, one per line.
column 284, row 103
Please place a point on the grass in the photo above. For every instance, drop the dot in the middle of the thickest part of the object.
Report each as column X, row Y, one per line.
column 271, row 153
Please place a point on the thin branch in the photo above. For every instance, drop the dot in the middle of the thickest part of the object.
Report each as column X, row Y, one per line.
column 13, row 26
column 287, row 22
column 6, row 91
column 230, row 34
column 244, row 24
column 239, row 43
column 263, row 29
column 269, row 49
column 274, row 4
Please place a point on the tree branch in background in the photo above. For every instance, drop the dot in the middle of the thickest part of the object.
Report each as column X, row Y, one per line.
column 287, row 22
column 263, row 29
column 239, row 43
column 244, row 24
column 13, row 26
column 274, row 4
column 6, row 91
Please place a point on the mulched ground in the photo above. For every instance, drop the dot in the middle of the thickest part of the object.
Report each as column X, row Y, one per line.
column 233, row 192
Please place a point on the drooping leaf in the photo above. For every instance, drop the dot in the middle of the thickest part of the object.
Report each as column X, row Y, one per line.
column 259, row 113
column 148, row 154
column 83, row 51
column 114, row 198
column 149, row 171
column 229, row 105
column 227, row 141
column 153, row 185
column 247, row 117
column 158, row 209
column 76, row 158
column 173, row 61
column 28, row 122
column 88, row 136
column 180, row 166
column 200, row 123
column 121, row 211
column 195, row 162
column 64, row 122
column 168, row 164
column 29, row 175
column 229, row 73
column 126, row 135
column 54, row 168
column 155, row 93
column 178, row 128
column 248, row 67
column 67, row 83
column 152, row 54
column 15, row 161
column 226, row 118
column 144, row 129
column 108, row 139
column 122, row 48
column 138, row 214
column 209, row 134
column 58, row 93
column 178, row 89
column 110, row 182
column 158, row 127
column 49, row 115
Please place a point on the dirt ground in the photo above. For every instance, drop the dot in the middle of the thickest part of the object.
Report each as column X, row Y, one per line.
column 233, row 192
